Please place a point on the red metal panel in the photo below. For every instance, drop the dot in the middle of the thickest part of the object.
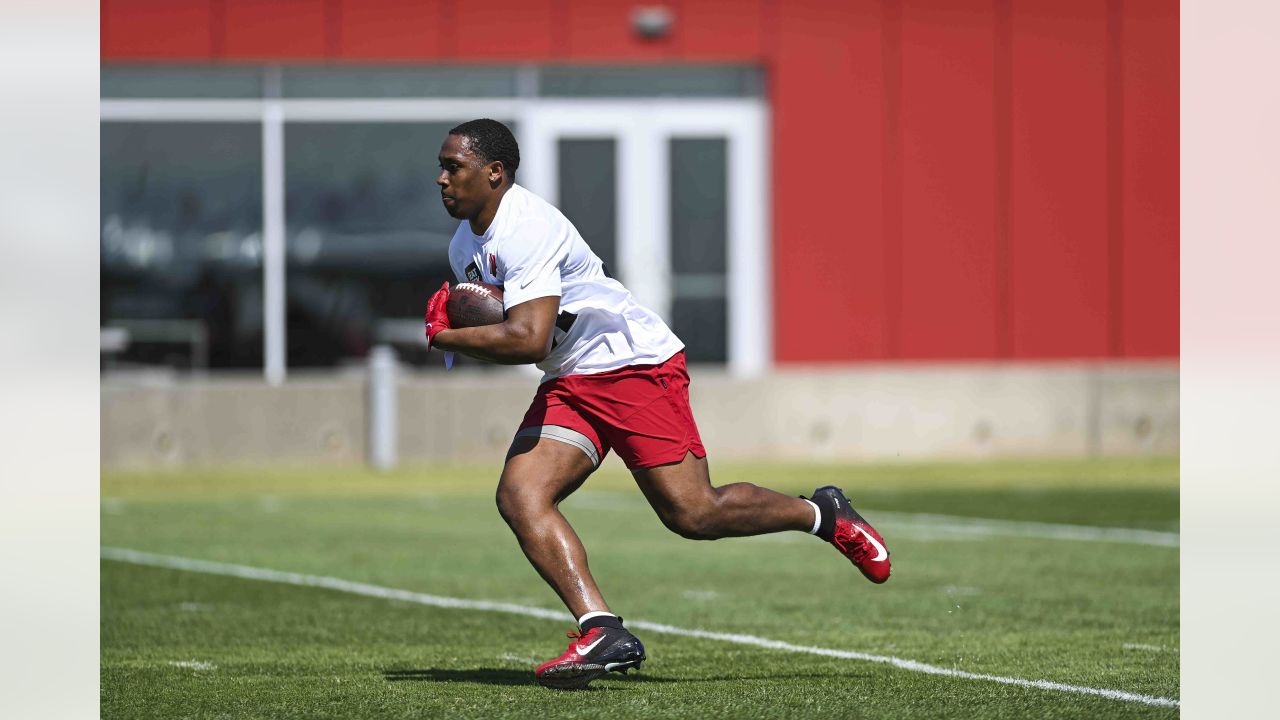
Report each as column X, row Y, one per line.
column 1150, row 179
column 948, row 299
column 389, row 29
column 600, row 30
column 1059, row 179
column 505, row 30
column 828, row 254
column 156, row 30
column 721, row 30
column 275, row 30
column 1002, row 102
column 891, row 171
column 976, row 143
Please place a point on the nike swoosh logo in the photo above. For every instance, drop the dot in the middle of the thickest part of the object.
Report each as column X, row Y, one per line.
column 879, row 548
column 584, row 650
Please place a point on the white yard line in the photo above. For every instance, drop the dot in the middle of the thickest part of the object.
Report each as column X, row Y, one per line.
column 1143, row 646
column 137, row 557
column 193, row 664
column 956, row 524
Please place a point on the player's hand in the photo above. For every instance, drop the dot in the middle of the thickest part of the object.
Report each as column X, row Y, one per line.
column 437, row 318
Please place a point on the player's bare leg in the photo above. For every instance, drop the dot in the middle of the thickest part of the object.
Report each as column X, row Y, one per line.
column 682, row 495
column 684, row 499
column 539, row 474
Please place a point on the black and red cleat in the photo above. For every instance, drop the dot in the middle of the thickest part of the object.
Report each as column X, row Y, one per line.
column 853, row 535
column 590, row 655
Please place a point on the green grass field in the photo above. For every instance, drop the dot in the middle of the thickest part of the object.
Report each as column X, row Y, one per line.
column 1002, row 599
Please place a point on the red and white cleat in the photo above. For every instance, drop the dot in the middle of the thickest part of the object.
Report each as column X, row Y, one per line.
column 597, row 651
column 854, row 537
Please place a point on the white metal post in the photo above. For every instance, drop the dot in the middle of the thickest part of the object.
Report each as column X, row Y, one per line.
column 382, row 408
column 273, row 237
column 750, row 286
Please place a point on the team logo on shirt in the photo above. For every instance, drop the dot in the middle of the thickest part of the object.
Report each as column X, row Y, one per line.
column 473, row 273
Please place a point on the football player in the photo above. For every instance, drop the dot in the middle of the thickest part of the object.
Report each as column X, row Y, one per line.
column 614, row 378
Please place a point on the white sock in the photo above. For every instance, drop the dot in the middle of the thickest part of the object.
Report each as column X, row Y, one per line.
column 817, row 516
column 594, row 613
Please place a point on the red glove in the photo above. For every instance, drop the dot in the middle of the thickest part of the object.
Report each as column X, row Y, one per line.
column 437, row 318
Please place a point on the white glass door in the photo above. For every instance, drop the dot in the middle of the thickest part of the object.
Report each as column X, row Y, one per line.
column 672, row 194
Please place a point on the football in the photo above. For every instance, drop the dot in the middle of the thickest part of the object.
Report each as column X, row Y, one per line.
column 471, row 304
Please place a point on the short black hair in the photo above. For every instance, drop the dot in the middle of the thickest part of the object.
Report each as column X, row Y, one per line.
column 491, row 140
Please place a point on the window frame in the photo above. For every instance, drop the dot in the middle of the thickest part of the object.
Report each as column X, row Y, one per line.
column 642, row 126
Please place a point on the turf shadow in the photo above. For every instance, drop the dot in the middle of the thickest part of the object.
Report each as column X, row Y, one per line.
column 773, row 677
column 487, row 676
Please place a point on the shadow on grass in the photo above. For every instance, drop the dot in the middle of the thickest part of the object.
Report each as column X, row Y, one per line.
column 506, row 676
column 488, row 676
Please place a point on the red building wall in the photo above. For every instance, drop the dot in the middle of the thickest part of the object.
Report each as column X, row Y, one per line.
column 961, row 178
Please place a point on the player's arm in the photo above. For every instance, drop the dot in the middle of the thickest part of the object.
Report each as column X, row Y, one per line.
column 524, row 337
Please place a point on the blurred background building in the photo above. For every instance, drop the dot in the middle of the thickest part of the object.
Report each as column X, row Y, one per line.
column 883, row 228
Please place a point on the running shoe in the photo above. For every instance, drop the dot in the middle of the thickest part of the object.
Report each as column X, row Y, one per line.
column 590, row 655
column 854, row 537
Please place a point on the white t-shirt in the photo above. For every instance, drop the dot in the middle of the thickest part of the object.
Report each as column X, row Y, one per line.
column 532, row 250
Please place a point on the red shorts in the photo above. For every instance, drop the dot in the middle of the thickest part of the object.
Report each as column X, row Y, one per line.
column 641, row 411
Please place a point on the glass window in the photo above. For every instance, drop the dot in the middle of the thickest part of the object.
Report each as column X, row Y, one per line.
column 367, row 238
column 388, row 82
column 588, row 181
column 181, row 243
column 124, row 81
column 651, row 81
column 699, row 242
column 434, row 81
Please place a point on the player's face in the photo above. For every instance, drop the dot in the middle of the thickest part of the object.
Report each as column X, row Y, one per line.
column 465, row 181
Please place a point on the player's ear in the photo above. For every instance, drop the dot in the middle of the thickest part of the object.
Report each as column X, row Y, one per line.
column 496, row 171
